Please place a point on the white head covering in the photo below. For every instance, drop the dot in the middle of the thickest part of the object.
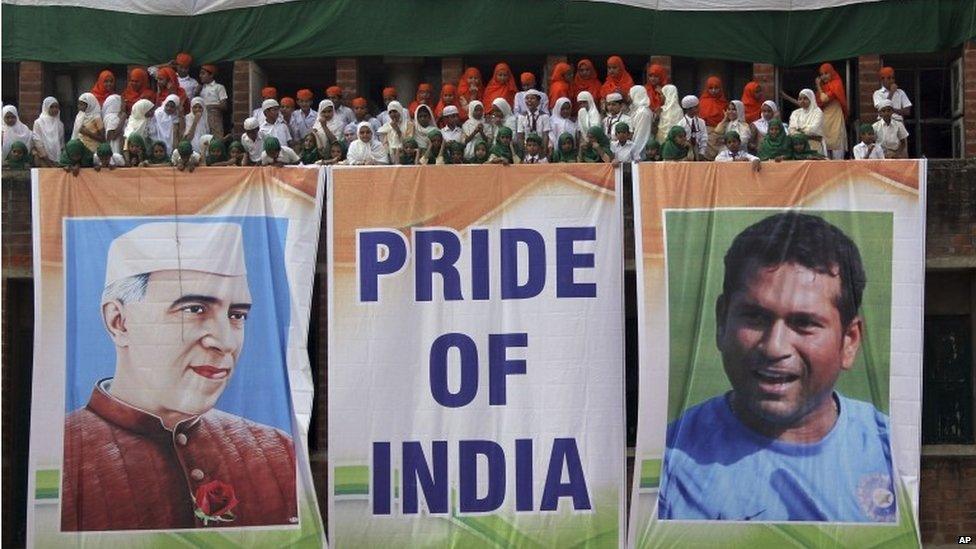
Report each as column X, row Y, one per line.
column 449, row 110
column 641, row 117
column 394, row 141
column 558, row 124
column 216, row 248
column 250, row 123
column 506, row 109
column 92, row 111
column 471, row 125
column 138, row 122
column 614, row 96
column 808, row 120
column 740, row 110
column 689, row 101
column 588, row 114
column 166, row 122
column 18, row 132
column 772, row 105
column 203, row 126
column 49, row 130
column 884, row 103
column 111, row 116
column 269, row 103
column 671, row 112
column 761, row 124
column 471, row 107
column 420, row 132
column 361, row 152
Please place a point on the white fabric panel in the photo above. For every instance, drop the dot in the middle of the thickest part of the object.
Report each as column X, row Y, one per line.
column 736, row 5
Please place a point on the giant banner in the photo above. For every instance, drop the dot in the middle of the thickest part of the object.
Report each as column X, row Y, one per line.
column 780, row 354
column 476, row 357
column 172, row 390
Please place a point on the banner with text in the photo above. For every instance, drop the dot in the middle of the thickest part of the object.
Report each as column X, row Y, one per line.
column 172, row 387
column 476, row 357
column 780, row 344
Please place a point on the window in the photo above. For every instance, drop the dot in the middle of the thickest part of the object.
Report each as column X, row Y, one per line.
column 929, row 82
column 11, row 82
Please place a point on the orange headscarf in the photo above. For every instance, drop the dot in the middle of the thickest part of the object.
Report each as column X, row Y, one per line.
column 752, row 99
column 464, row 89
column 423, row 87
column 558, row 85
column 655, row 95
column 172, row 87
column 620, row 83
column 886, row 72
column 137, row 88
column 448, row 89
column 496, row 89
column 711, row 109
column 99, row 90
column 591, row 84
column 834, row 88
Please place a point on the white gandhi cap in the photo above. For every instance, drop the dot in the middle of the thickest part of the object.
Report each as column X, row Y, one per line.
column 689, row 101
column 216, row 248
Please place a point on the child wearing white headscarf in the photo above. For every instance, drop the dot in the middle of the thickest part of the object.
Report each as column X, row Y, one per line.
column 735, row 121
column 139, row 122
column 475, row 128
column 168, row 122
column 641, row 117
column 397, row 130
column 49, row 132
column 671, row 112
column 559, row 124
column 197, row 124
column 421, row 129
column 588, row 114
column 113, row 118
column 808, row 120
column 89, row 128
column 328, row 127
column 14, row 130
column 366, row 149
column 506, row 118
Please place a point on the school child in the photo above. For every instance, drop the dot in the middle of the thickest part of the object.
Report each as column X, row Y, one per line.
column 451, row 129
column 560, row 83
column 448, row 99
column 434, row 154
column 137, row 88
column 527, row 82
column 214, row 96
column 106, row 158
column 502, row 84
column 114, row 120
column 868, row 149
column 389, row 95
column 618, row 79
column 168, row 124
column 534, row 150
column 652, row 151
column 19, row 158
column 135, row 151
column 88, row 128
column 253, row 145
column 481, row 153
column 565, row 151
column 671, row 112
column 832, row 99
column 309, row 154
column 900, row 103
column 303, row 119
column 752, row 100
column 167, row 84
column 276, row 154
column 196, row 125
column 396, row 130
column 75, row 156
column 677, row 147
column 366, row 150
column 641, row 118
column 808, row 119
column 349, row 133
column 140, row 122
column 360, row 112
column 184, row 157
column 423, row 123
column 622, row 147
column 502, row 115
column 337, row 154
column 588, row 114
column 187, row 82
column 476, row 127
column 586, row 79
column 288, row 107
column 334, row 93
column 454, row 152
column 104, row 86
column 157, row 156
column 733, row 150
column 236, row 154
column 595, row 147
column 217, row 154
column 775, row 145
column 800, row 149
column 534, row 120
column 892, row 135
column 503, row 151
column 735, row 121
column 614, row 102
column 274, row 125
column 267, row 92
column 767, row 111
column 15, row 131
column 469, row 88
column 424, row 96
column 656, row 78
column 695, row 127
column 712, row 108
column 328, row 127
column 561, row 121
column 409, row 153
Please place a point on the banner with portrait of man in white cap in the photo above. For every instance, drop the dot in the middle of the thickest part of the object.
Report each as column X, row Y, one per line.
column 171, row 378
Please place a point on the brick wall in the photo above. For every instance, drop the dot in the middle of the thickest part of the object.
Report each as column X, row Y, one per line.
column 868, row 81
column 950, row 229
column 765, row 74
column 16, row 226
column 451, row 70
column 347, row 77
column 947, row 498
column 241, row 96
column 969, row 100
column 30, row 91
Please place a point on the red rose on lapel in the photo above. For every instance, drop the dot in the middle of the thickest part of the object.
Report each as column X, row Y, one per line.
column 215, row 501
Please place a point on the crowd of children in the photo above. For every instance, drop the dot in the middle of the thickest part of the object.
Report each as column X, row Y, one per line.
column 166, row 117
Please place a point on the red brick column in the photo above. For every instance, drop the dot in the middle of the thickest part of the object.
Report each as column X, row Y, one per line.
column 347, row 77
column 868, row 81
column 765, row 74
column 551, row 62
column 969, row 99
column 241, row 96
column 451, row 70
column 30, row 91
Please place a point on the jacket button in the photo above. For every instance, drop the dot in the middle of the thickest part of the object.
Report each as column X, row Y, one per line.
column 181, row 439
column 196, row 474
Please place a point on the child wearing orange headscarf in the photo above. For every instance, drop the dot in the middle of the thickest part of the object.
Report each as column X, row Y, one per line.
column 711, row 108
column 586, row 79
column 167, row 83
column 832, row 98
column 469, row 88
column 137, row 88
column 104, row 86
column 502, row 84
column 657, row 78
column 425, row 95
column 752, row 98
column 618, row 79
column 449, row 96
column 559, row 83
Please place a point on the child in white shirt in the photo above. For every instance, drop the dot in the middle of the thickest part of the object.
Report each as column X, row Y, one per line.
column 533, row 150
column 867, row 149
column 892, row 135
column 622, row 147
column 452, row 124
column 533, row 120
column 615, row 113
column 733, row 151
column 694, row 126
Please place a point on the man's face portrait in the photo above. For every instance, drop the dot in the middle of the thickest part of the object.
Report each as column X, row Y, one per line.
column 784, row 344
column 181, row 342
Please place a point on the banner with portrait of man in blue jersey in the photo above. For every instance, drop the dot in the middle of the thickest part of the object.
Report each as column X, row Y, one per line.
column 780, row 354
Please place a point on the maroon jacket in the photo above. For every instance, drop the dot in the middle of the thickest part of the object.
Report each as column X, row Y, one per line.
column 124, row 471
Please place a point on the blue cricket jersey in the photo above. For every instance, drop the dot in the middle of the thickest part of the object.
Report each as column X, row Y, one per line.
column 716, row 468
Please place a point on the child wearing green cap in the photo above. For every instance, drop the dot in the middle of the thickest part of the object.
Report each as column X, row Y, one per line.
column 868, row 149
column 622, row 148
column 105, row 158
column 184, row 157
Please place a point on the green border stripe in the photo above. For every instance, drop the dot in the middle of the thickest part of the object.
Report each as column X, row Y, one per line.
column 47, row 484
column 351, row 480
column 650, row 473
